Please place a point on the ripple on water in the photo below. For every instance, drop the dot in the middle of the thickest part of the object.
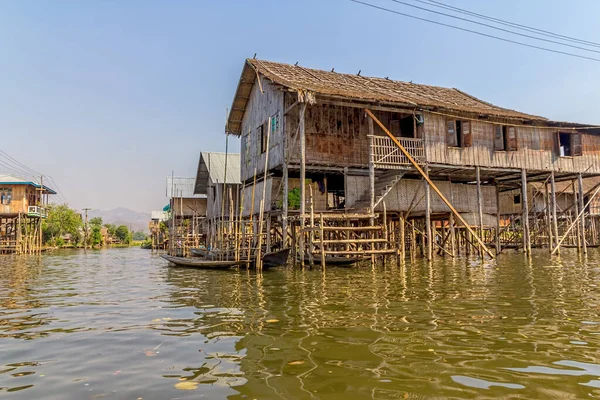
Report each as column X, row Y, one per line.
column 121, row 324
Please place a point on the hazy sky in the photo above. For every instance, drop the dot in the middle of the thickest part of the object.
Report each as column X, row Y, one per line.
column 109, row 96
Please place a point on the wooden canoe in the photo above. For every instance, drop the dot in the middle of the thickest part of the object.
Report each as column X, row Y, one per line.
column 275, row 258
column 201, row 264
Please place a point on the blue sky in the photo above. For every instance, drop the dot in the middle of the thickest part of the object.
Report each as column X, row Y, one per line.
column 109, row 96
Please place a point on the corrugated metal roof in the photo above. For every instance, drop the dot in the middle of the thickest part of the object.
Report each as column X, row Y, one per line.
column 211, row 166
column 181, row 187
column 362, row 88
column 14, row 180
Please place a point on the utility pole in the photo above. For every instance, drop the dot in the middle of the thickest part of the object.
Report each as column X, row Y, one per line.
column 85, row 233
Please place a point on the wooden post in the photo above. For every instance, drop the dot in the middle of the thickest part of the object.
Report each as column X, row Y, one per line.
column 429, row 242
column 452, row 235
column 259, row 247
column 576, row 206
column 311, row 235
column 322, row 243
column 554, row 218
column 548, row 218
column 302, row 180
column 498, row 249
column 268, row 239
column 371, row 170
column 479, row 206
column 401, row 240
column 582, row 208
column 426, row 177
column 251, row 237
column 525, row 213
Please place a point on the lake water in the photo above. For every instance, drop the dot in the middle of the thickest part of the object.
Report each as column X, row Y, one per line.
column 121, row 324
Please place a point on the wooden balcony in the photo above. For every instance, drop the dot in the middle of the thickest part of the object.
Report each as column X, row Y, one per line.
column 386, row 155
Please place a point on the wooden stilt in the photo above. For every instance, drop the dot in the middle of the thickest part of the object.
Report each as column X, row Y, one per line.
column 525, row 213
column 548, row 218
column 452, row 235
column 498, row 249
column 581, row 208
column 554, row 217
column 311, row 234
column 401, row 241
column 429, row 242
column 479, row 206
column 322, row 242
column 302, row 181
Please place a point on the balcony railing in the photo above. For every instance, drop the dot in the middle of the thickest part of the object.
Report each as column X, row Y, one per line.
column 35, row 211
column 386, row 155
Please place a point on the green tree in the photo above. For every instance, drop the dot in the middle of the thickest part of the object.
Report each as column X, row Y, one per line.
column 122, row 233
column 96, row 221
column 111, row 229
column 139, row 235
column 96, row 235
column 61, row 220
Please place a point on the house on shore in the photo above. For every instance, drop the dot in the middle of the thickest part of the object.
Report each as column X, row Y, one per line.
column 422, row 163
column 22, row 208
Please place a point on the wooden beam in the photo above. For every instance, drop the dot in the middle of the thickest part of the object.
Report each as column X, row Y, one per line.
column 435, row 188
column 290, row 108
column 428, row 235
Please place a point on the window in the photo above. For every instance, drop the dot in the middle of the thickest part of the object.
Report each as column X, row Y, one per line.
column 500, row 138
column 459, row 133
column 517, row 199
column 263, row 138
column 569, row 144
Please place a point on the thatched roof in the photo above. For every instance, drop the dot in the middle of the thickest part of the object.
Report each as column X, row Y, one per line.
column 361, row 88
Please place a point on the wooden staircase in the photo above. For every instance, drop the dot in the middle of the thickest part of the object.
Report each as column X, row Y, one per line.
column 385, row 181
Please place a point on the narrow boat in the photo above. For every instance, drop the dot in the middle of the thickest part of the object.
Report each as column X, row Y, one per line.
column 275, row 258
column 201, row 264
column 199, row 252
column 146, row 246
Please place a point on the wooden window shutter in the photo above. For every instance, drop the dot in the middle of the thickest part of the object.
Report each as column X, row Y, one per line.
column 511, row 140
column 467, row 137
column 451, row 133
column 576, row 144
column 498, row 139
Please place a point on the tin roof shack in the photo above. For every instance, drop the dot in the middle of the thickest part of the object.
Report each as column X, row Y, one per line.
column 366, row 140
column 21, row 211
column 188, row 212
column 218, row 178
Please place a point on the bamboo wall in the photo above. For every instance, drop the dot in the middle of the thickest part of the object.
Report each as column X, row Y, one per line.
column 21, row 194
column 190, row 207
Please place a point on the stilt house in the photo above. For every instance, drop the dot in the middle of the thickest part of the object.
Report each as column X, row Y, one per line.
column 414, row 153
column 21, row 212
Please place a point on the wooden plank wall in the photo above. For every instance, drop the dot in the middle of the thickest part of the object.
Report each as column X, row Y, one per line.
column 535, row 149
column 261, row 107
column 190, row 206
column 213, row 200
column 19, row 201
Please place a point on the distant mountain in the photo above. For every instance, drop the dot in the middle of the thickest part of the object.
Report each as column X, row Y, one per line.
column 123, row 216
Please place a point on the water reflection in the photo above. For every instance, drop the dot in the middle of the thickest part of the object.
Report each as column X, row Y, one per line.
column 122, row 324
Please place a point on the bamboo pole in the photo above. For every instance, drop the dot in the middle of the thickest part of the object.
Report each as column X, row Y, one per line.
column 252, row 237
column 452, row 235
column 258, row 262
column 426, row 177
column 401, row 239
